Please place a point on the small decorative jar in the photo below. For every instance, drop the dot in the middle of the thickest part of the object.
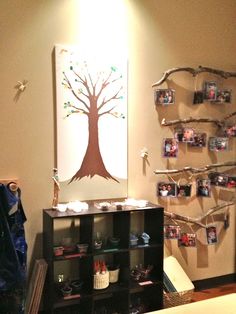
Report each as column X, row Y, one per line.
column 58, row 250
column 82, row 247
column 145, row 238
column 101, row 280
column 76, row 285
column 113, row 242
column 133, row 240
column 113, row 274
column 66, row 290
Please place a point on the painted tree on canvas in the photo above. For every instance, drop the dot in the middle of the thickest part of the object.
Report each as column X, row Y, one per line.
column 94, row 96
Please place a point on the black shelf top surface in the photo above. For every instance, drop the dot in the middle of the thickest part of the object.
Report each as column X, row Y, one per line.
column 93, row 210
column 106, row 251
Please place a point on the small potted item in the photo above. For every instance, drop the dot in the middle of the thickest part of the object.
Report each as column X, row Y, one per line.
column 145, row 238
column 133, row 240
column 104, row 206
column 113, row 242
column 135, row 273
column 113, row 273
column 76, row 285
column 97, row 244
column 58, row 250
column 82, row 247
column 66, row 289
column 98, row 241
column 101, row 275
column 67, row 244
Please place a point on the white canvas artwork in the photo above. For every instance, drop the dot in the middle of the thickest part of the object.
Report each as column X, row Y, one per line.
column 91, row 98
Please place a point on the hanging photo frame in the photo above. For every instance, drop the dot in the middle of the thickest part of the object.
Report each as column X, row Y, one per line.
column 172, row 232
column 188, row 135
column 231, row 182
column 170, row 148
column 167, row 189
column 184, row 134
column 164, row 97
column 211, row 235
column 199, row 140
column 218, row 179
column 223, row 96
column 210, row 88
column 218, row 144
column 187, row 239
column 203, row 187
column 230, row 131
column 184, row 190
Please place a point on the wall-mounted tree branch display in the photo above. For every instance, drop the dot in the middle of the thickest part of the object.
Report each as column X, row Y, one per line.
column 194, row 72
column 199, row 220
column 219, row 123
column 196, row 170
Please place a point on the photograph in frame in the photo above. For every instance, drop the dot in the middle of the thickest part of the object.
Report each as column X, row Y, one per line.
column 164, row 97
column 187, row 239
column 167, row 189
column 199, row 140
column 230, row 131
column 211, row 235
column 231, row 182
column 184, row 190
column 218, row 179
column 188, row 135
column 210, row 91
column 203, row 187
column 223, row 96
column 178, row 134
column 170, row 148
column 172, row 232
column 218, row 144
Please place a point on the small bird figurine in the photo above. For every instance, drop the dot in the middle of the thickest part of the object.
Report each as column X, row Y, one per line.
column 21, row 85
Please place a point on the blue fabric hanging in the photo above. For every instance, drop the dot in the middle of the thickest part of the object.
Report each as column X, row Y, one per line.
column 13, row 249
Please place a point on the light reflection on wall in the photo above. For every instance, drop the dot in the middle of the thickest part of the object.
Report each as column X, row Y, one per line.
column 102, row 27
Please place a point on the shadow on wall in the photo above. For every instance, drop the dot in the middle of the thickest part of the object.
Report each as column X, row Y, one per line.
column 36, row 253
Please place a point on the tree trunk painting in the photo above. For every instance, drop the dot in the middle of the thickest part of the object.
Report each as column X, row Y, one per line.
column 92, row 163
column 92, row 95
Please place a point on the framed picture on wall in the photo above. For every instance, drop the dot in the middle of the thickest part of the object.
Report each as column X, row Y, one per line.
column 218, row 144
column 172, row 232
column 230, row 131
column 211, row 235
column 231, row 182
column 218, row 179
column 187, row 239
column 210, row 91
column 164, row 97
column 170, row 148
column 203, row 187
column 167, row 189
column 184, row 135
column 199, row 140
column 223, row 96
column 184, row 190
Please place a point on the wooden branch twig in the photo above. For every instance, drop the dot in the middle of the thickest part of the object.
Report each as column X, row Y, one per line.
column 197, row 170
column 219, row 123
column 198, row 220
column 194, row 72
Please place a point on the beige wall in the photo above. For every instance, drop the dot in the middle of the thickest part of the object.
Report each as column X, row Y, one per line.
column 162, row 34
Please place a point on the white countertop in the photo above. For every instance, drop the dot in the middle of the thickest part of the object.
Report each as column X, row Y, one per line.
column 220, row 305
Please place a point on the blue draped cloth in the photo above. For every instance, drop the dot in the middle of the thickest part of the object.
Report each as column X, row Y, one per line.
column 13, row 251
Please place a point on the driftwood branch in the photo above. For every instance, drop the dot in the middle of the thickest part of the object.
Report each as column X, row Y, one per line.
column 198, row 220
column 197, row 170
column 194, row 72
column 219, row 123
